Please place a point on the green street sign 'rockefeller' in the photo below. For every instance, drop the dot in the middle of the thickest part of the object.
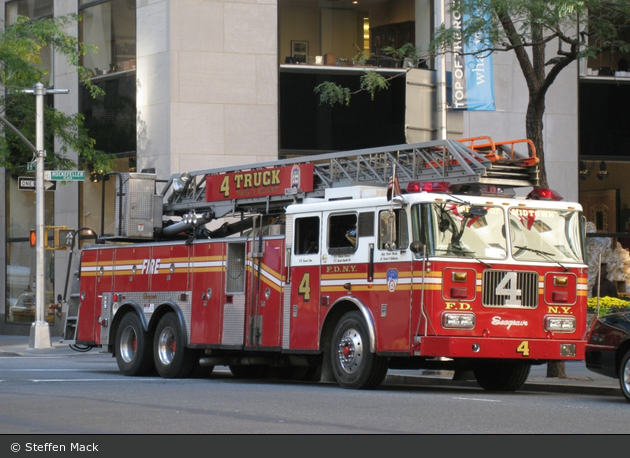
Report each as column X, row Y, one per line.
column 64, row 175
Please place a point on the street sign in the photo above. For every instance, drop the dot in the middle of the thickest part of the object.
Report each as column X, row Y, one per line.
column 29, row 183
column 31, row 166
column 64, row 175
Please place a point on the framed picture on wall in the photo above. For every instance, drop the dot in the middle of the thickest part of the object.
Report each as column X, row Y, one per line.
column 600, row 208
column 299, row 50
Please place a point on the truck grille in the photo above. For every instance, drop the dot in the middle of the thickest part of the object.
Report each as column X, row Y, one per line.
column 509, row 288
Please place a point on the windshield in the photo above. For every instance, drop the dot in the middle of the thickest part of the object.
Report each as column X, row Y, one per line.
column 452, row 229
column 552, row 235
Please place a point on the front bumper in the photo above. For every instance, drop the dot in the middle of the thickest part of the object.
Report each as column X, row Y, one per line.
column 506, row 348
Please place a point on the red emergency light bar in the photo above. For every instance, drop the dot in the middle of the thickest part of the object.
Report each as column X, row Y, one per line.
column 544, row 194
column 479, row 190
column 428, row 186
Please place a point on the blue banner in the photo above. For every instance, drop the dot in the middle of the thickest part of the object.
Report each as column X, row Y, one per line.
column 472, row 76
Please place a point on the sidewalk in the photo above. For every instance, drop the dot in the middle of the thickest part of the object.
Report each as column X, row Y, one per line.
column 579, row 379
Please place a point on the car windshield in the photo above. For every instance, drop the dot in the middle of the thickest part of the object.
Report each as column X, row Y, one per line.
column 542, row 234
column 457, row 230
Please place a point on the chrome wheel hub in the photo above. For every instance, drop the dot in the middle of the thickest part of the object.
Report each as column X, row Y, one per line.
column 350, row 350
column 128, row 344
column 167, row 346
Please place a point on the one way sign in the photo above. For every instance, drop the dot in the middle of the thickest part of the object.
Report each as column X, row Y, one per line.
column 28, row 184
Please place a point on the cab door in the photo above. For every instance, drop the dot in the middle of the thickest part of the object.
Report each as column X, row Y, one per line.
column 393, row 274
column 302, row 313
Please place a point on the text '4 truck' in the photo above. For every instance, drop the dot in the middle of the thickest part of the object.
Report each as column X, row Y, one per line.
column 338, row 267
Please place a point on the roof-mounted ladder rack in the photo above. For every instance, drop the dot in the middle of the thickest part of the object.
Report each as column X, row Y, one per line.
column 474, row 160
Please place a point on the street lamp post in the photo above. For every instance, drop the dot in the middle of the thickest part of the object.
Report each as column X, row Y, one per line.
column 40, row 332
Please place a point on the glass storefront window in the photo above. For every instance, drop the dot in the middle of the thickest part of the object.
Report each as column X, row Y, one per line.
column 111, row 118
column 111, row 27
column 33, row 9
column 338, row 32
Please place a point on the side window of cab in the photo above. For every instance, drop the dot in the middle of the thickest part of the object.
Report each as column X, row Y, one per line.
column 342, row 233
column 307, row 237
column 393, row 230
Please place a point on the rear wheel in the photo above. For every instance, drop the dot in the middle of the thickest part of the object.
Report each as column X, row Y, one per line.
column 624, row 376
column 134, row 354
column 354, row 366
column 172, row 358
column 501, row 375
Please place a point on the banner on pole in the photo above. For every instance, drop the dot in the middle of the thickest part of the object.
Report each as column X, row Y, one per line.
column 472, row 77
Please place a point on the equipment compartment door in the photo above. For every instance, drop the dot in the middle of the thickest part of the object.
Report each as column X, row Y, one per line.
column 170, row 270
column 207, row 267
column 265, row 287
column 96, row 278
column 132, row 269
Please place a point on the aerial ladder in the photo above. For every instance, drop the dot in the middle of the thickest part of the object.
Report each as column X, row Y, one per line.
column 468, row 161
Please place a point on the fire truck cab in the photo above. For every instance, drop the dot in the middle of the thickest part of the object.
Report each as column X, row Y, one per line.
column 321, row 271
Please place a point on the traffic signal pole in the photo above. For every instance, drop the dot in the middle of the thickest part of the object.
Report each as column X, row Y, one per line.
column 40, row 332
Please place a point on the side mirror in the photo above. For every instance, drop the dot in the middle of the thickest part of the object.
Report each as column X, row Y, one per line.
column 417, row 247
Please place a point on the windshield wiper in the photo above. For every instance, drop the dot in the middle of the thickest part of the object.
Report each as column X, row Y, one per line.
column 467, row 253
column 543, row 254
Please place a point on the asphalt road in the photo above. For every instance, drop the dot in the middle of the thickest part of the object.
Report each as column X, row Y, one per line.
column 84, row 394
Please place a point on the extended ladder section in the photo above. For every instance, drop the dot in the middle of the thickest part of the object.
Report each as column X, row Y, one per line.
column 467, row 161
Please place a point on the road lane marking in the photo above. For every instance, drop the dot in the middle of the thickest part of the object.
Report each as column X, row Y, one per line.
column 477, row 399
column 55, row 370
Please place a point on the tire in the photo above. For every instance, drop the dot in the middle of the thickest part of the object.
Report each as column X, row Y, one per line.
column 501, row 375
column 624, row 376
column 172, row 358
column 250, row 371
column 353, row 365
column 134, row 353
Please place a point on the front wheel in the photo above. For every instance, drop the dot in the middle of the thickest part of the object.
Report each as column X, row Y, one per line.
column 501, row 375
column 354, row 366
column 172, row 358
column 134, row 354
column 624, row 376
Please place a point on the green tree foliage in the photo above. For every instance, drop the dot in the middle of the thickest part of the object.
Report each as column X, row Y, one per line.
column 20, row 47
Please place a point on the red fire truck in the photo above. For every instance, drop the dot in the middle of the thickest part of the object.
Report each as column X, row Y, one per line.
column 322, row 268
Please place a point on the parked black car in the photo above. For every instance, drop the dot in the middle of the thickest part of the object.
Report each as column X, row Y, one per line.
column 608, row 348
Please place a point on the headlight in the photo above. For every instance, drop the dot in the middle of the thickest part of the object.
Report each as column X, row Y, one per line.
column 560, row 323
column 458, row 320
